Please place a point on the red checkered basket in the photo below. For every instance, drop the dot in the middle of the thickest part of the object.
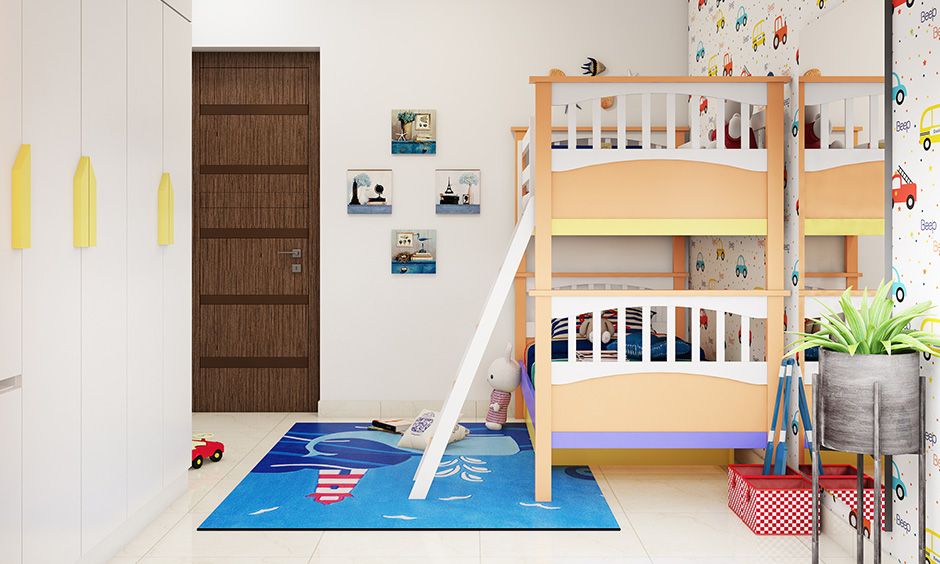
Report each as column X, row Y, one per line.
column 775, row 505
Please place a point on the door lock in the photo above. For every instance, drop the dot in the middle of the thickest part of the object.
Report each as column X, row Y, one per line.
column 295, row 268
column 294, row 253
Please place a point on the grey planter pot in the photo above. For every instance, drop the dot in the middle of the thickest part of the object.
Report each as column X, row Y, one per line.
column 846, row 410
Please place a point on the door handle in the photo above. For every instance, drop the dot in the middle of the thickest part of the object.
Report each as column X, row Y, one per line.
column 294, row 253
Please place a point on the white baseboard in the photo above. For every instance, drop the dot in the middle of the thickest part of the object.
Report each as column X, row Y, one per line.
column 369, row 410
column 104, row 551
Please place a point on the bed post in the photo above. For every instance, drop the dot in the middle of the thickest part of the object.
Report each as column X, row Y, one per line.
column 543, row 281
column 774, row 242
column 679, row 266
column 801, row 221
column 519, row 284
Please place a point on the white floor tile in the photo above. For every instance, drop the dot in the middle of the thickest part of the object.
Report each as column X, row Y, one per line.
column 702, row 535
column 670, row 493
column 184, row 541
column 562, row 544
column 386, row 560
column 218, row 560
column 566, row 560
column 399, row 544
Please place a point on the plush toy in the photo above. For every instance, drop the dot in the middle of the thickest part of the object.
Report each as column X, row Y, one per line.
column 586, row 331
column 504, row 375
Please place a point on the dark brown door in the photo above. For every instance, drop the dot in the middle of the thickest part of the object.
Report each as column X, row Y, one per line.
column 256, row 231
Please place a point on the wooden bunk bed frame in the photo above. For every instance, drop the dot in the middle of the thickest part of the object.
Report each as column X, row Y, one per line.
column 842, row 191
column 671, row 191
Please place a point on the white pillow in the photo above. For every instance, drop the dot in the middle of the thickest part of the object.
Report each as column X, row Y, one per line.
column 419, row 434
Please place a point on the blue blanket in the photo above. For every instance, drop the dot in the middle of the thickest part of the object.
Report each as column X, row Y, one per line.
column 633, row 346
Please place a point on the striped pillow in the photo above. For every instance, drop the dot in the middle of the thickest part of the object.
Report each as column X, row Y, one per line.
column 559, row 328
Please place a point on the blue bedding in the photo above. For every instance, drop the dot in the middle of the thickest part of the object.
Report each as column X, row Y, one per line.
column 633, row 346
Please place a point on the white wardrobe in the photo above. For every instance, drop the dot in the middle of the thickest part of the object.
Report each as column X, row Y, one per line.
column 95, row 342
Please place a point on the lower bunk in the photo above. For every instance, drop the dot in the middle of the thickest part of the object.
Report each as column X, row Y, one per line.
column 645, row 389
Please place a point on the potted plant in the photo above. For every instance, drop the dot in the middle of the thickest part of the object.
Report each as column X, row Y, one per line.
column 857, row 349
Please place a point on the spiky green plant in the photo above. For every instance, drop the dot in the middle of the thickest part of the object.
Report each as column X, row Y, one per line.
column 868, row 330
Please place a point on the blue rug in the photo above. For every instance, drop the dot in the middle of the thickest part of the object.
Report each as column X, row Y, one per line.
column 343, row 476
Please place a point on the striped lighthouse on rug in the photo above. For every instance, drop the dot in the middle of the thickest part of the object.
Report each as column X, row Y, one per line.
column 335, row 485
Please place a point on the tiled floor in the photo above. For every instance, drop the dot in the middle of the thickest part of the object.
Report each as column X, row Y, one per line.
column 668, row 515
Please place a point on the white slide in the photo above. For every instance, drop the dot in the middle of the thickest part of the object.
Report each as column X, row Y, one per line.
column 474, row 353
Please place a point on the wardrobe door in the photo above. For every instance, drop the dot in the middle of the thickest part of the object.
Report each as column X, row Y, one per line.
column 144, row 256
column 52, row 336
column 104, row 272
column 11, row 295
column 177, row 276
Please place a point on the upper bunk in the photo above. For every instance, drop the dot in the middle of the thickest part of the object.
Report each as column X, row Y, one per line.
column 839, row 123
column 598, row 182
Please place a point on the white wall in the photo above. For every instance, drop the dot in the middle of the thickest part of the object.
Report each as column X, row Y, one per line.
column 402, row 337
column 818, row 49
column 82, row 325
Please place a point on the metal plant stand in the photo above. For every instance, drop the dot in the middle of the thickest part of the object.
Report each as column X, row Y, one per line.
column 875, row 527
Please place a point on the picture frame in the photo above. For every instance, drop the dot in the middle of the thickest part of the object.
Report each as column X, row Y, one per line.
column 457, row 190
column 369, row 191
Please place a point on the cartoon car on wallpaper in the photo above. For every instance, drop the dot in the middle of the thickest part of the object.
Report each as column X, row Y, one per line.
column 928, row 325
column 932, row 544
column 897, row 484
column 205, row 449
column 740, row 269
column 900, row 91
column 700, row 52
column 897, row 288
column 757, row 35
column 930, row 126
column 910, row 3
column 702, row 105
column 720, row 251
column 906, row 191
column 700, row 263
column 700, row 4
column 780, row 32
column 795, row 277
column 745, row 72
column 728, row 65
column 795, row 424
column 820, row 3
column 796, row 123
column 713, row 66
column 750, row 336
column 741, row 20
column 866, row 523
column 703, row 320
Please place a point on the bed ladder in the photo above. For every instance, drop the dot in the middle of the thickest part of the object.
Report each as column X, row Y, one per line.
column 474, row 353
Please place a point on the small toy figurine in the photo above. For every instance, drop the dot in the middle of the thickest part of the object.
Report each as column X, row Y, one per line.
column 504, row 375
column 203, row 448
column 593, row 67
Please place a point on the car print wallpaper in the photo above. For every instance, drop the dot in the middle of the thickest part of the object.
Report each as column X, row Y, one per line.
column 746, row 37
column 915, row 245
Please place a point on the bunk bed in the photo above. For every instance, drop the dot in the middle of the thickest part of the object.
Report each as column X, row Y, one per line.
column 609, row 400
column 841, row 184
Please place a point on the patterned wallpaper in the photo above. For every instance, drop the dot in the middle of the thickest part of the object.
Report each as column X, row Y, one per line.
column 719, row 37
column 915, row 245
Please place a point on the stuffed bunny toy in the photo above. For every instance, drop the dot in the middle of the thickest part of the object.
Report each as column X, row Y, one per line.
column 586, row 331
column 504, row 375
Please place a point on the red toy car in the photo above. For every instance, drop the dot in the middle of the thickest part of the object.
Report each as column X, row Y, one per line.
column 203, row 449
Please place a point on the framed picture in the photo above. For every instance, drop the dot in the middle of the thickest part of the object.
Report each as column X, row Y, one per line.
column 414, row 132
column 414, row 251
column 405, row 239
column 457, row 191
column 369, row 191
column 423, row 122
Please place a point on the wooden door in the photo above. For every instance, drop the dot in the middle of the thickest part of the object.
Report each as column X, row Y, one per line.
column 256, row 231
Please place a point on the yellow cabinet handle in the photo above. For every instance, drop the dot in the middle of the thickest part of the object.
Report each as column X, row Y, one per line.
column 165, row 211
column 85, row 202
column 21, row 198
